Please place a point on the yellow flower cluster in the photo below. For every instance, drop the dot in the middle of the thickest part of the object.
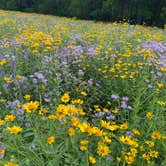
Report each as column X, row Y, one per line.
column 129, row 141
column 31, row 106
column 3, row 62
column 14, row 129
column 68, row 110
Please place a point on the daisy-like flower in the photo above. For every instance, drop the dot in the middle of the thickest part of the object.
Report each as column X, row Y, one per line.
column 14, row 129
column 92, row 160
column 51, row 140
column 31, row 106
column 11, row 164
column 65, row 98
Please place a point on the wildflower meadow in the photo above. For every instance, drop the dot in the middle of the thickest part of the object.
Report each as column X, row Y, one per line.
column 81, row 93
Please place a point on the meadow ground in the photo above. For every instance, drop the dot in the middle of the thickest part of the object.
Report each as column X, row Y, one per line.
column 79, row 93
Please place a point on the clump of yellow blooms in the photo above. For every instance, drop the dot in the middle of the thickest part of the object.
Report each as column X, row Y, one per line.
column 31, row 106
column 14, row 129
column 8, row 79
column 77, row 101
column 68, row 110
column 129, row 141
column 11, row 164
column 83, row 145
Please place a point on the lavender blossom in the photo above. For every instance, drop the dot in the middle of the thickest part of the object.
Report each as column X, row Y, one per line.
column 114, row 96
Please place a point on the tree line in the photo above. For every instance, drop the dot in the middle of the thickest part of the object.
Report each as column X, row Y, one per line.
column 150, row 12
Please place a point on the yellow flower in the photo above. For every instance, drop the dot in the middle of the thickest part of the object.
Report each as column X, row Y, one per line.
column 35, row 51
column 42, row 111
column 118, row 159
column 105, row 110
column 51, row 140
column 133, row 151
column 11, row 164
column 103, row 149
column 107, row 140
column 142, row 148
column 84, row 142
column 92, row 160
column 163, row 69
column 77, row 101
column 84, row 93
column 124, row 126
column 2, row 62
column 125, row 139
column 10, row 118
column 8, row 79
column 156, row 135
column 136, row 132
column 2, row 100
column 146, row 157
column 160, row 85
column 153, row 153
column 149, row 143
column 27, row 97
column 129, row 159
column 71, row 132
column 83, row 148
column 149, row 115
column 115, row 111
column 14, row 129
column 1, row 122
column 65, row 98
column 129, row 141
column 2, row 151
column 31, row 106
column 52, row 117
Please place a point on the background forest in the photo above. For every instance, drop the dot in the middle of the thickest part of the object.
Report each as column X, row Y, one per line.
column 150, row 12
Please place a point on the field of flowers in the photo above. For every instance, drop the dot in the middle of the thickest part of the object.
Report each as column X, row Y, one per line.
column 79, row 93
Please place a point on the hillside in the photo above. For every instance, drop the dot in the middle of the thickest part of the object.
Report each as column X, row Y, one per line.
column 81, row 93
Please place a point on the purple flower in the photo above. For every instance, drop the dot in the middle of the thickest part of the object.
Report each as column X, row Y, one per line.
column 91, row 51
column 129, row 107
column 125, row 98
column 27, row 124
column 39, row 75
column 130, row 134
column 80, row 72
column 114, row 96
column 110, row 117
column 21, row 118
column 77, row 50
column 35, row 81
column 123, row 105
column 90, row 81
column 20, row 112
column 110, row 158
column 99, row 114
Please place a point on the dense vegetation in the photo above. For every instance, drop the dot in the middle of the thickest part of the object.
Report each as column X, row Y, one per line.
column 151, row 12
column 79, row 93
